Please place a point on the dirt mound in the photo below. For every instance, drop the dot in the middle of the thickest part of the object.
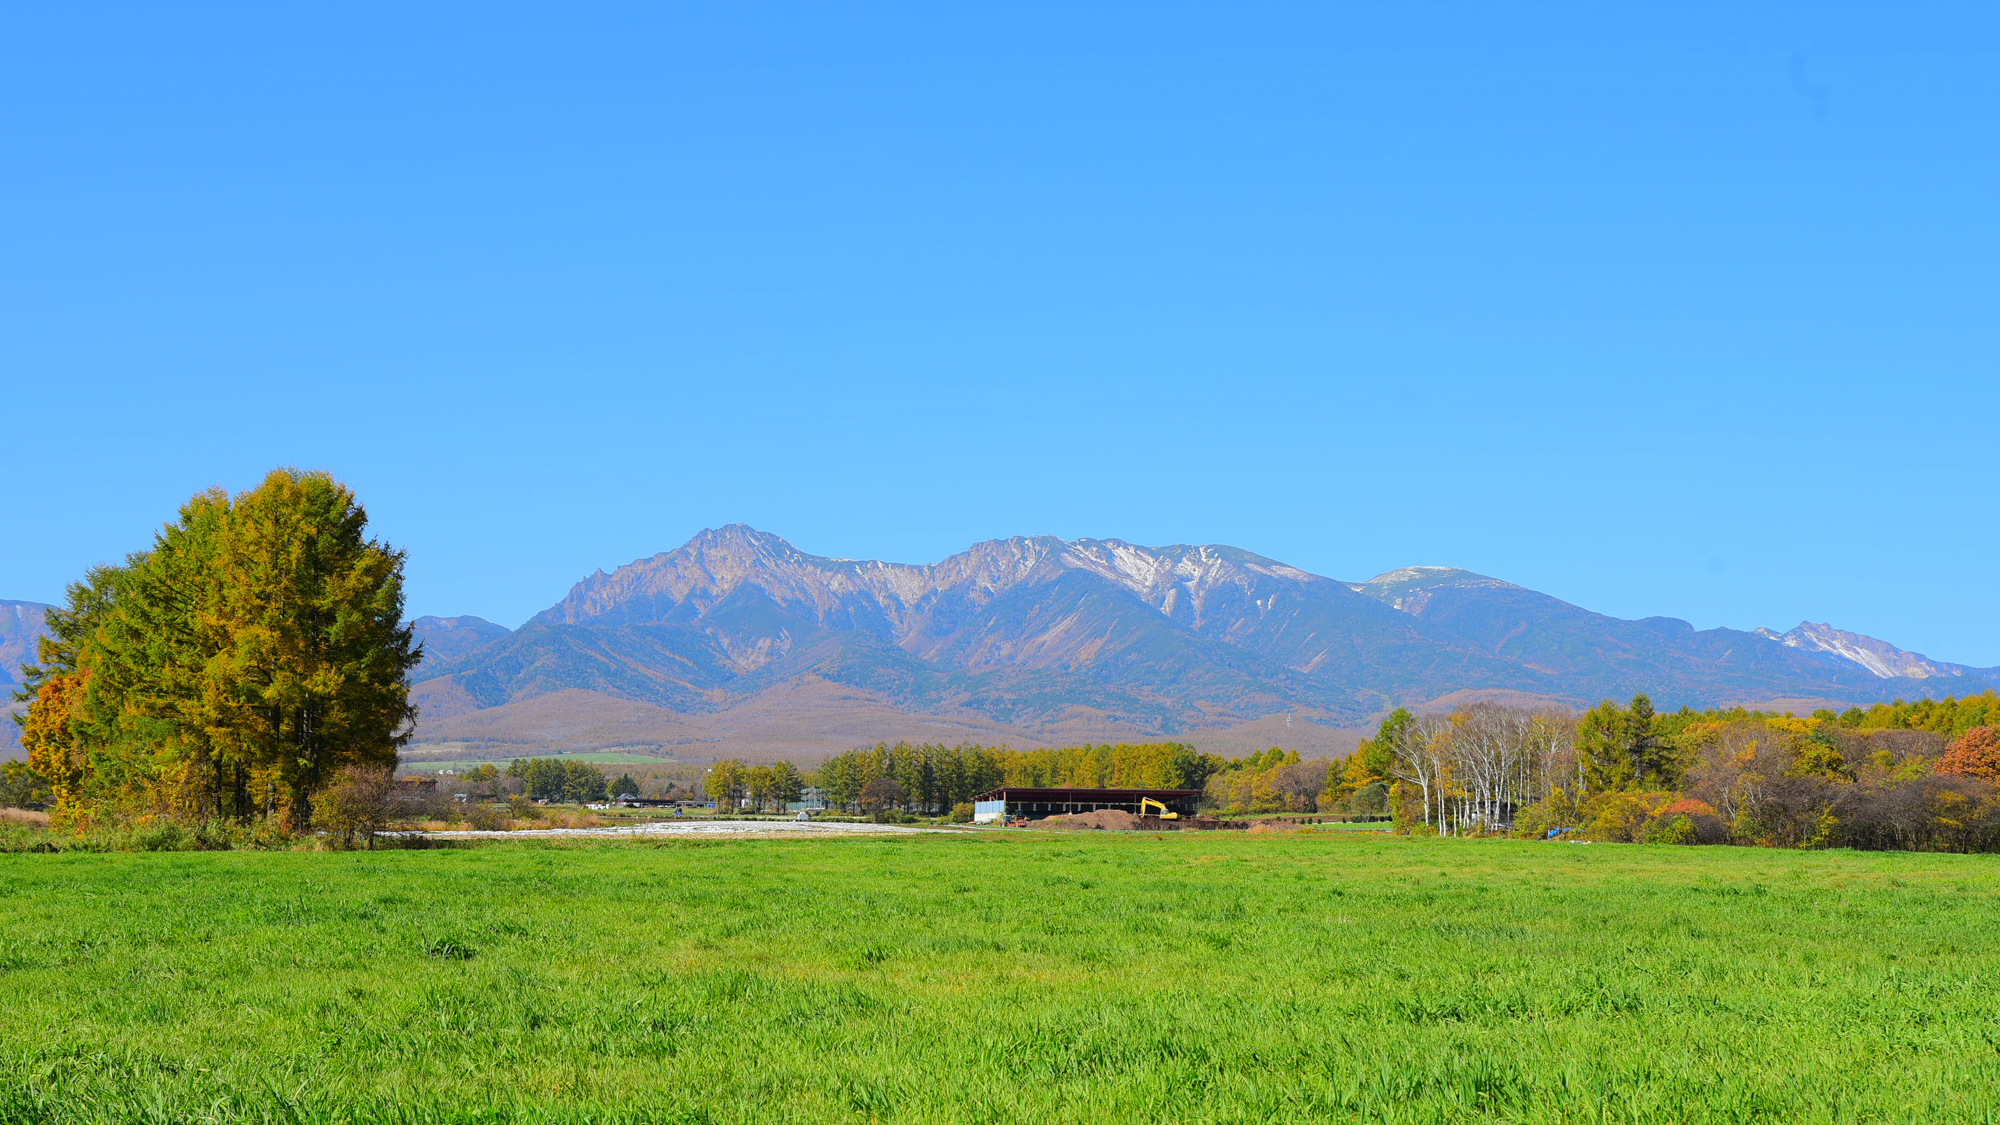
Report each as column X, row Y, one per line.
column 1109, row 820
column 1275, row 826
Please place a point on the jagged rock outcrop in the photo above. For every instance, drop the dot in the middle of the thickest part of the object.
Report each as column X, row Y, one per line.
column 1879, row 657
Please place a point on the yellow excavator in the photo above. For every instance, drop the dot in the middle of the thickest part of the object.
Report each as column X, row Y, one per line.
column 1165, row 812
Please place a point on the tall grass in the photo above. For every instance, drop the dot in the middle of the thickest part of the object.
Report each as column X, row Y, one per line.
column 1187, row 977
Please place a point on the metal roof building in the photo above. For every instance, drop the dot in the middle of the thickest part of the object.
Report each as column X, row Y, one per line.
column 1015, row 802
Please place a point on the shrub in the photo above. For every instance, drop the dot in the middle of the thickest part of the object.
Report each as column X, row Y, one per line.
column 1616, row 817
column 354, row 808
column 1556, row 811
column 1371, row 799
column 961, row 813
column 484, row 817
column 1676, row 829
column 1975, row 754
column 21, row 787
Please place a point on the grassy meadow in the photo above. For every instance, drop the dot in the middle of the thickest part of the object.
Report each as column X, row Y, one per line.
column 1028, row 977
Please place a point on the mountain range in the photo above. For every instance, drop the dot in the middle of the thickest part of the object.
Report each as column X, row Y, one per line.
column 738, row 642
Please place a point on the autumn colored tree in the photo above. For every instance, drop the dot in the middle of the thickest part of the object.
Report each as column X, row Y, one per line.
column 315, row 655
column 759, row 782
column 724, row 783
column 54, row 751
column 1975, row 754
column 227, row 671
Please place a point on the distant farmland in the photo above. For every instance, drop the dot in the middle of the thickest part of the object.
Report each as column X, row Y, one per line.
column 606, row 758
column 992, row 977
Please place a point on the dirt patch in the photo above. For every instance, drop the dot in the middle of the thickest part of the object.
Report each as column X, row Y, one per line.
column 24, row 816
column 1264, row 826
column 1107, row 820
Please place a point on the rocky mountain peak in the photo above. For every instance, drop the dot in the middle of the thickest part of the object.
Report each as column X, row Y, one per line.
column 1879, row 657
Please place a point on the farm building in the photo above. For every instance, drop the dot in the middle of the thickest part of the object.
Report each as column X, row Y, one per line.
column 1011, row 803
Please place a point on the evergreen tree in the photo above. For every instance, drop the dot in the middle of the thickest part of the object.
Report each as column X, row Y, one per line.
column 786, row 784
column 1601, row 746
column 1643, row 742
column 582, row 782
column 546, row 779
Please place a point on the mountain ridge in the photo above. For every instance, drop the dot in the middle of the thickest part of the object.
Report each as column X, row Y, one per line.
column 1878, row 656
column 1034, row 631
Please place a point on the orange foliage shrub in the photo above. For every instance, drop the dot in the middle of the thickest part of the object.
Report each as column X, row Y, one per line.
column 1975, row 754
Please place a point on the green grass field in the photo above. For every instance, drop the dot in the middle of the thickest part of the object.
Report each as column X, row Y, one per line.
column 1215, row 977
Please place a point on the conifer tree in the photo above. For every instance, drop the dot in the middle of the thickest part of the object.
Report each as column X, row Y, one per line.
column 1601, row 746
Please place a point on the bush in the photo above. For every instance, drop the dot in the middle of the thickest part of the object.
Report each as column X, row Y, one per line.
column 1975, row 754
column 1684, row 828
column 1557, row 811
column 21, row 787
column 484, row 817
column 147, row 834
column 354, row 808
column 961, row 813
column 1619, row 817
column 1371, row 799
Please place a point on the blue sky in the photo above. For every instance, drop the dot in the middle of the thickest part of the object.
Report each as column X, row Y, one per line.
column 1675, row 309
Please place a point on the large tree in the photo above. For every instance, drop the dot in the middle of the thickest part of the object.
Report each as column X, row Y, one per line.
column 255, row 649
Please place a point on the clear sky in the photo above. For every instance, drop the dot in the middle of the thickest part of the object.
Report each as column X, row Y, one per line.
column 1678, row 309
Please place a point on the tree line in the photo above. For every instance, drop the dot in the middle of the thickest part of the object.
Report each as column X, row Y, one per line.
column 554, row 779
column 1917, row 775
column 232, row 670
column 932, row 779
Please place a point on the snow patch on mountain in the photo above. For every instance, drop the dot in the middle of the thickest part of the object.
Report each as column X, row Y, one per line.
column 1879, row 657
column 1409, row 588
